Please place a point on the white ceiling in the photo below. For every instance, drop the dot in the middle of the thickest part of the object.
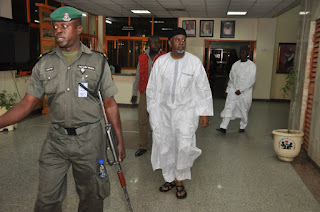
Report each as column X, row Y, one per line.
column 184, row 8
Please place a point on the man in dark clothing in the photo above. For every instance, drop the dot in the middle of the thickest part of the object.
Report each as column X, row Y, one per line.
column 144, row 68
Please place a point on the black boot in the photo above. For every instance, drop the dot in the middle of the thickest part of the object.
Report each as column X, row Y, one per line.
column 223, row 131
column 140, row 152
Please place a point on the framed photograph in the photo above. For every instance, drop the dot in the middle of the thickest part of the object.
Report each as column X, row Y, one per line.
column 206, row 28
column 286, row 55
column 227, row 29
column 190, row 27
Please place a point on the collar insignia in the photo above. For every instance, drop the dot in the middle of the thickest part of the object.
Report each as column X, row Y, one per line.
column 49, row 69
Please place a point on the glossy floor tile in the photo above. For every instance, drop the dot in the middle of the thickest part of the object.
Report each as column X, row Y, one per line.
column 235, row 172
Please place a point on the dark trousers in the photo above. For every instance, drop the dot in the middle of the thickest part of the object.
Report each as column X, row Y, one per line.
column 143, row 117
column 83, row 153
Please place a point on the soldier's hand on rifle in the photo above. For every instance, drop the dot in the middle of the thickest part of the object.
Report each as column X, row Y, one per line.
column 122, row 152
column 134, row 99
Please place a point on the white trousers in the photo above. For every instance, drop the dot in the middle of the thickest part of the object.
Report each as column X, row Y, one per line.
column 170, row 174
column 225, row 122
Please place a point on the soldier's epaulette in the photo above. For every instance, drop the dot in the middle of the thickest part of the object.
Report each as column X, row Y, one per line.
column 44, row 54
column 103, row 54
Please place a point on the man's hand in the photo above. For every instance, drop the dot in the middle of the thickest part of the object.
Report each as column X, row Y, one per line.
column 133, row 100
column 204, row 121
column 113, row 115
column 238, row 92
column 122, row 152
column 19, row 111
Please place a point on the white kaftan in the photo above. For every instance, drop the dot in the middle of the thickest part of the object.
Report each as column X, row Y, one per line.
column 178, row 92
column 242, row 77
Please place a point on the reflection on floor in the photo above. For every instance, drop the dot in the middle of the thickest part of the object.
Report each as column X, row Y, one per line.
column 236, row 172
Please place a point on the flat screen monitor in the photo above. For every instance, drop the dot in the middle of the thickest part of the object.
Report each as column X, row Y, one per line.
column 20, row 45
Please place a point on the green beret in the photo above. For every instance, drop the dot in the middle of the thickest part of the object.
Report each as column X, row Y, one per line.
column 63, row 14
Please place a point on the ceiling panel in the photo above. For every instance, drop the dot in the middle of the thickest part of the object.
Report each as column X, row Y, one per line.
column 195, row 8
column 181, row 14
column 238, row 8
column 218, row 7
column 190, row 8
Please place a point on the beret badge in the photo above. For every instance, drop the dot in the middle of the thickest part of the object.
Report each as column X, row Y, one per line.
column 66, row 17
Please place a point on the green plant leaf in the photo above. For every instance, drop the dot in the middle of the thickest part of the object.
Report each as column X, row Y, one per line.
column 7, row 100
column 290, row 79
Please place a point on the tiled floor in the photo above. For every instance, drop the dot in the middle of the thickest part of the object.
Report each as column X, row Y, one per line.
column 236, row 172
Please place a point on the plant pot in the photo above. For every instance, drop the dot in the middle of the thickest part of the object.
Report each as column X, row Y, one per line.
column 3, row 110
column 287, row 145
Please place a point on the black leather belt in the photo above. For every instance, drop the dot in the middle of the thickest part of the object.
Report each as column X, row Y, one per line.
column 75, row 131
column 71, row 131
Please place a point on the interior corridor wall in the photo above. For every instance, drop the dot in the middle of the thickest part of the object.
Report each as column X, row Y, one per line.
column 264, row 57
column 286, row 32
column 260, row 30
column 313, row 7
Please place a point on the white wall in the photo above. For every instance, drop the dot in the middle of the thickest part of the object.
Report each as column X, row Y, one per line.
column 5, row 9
column 287, row 31
column 246, row 29
column 260, row 30
column 264, row 57
column 124, row 84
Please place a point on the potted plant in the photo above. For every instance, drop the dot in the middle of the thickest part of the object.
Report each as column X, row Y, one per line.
column 6, row 102
column 287, row 142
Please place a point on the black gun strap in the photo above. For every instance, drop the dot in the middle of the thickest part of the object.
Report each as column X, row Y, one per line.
column 95, row 92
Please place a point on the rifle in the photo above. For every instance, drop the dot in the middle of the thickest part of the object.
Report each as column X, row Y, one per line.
column 112, row 141
column 111, row 138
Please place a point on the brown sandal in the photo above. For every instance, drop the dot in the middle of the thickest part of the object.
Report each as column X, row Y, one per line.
column 180, row 190
column 167, row 186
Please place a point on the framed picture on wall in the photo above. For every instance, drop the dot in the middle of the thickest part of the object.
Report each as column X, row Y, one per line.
column 286, row 53
column 190, row 27
column 227, row 29
column 206, row 28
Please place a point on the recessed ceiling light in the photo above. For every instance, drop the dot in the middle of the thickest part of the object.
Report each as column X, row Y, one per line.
column 141, row 11
column 236, row 13
column 158, row 22
column 303, row 12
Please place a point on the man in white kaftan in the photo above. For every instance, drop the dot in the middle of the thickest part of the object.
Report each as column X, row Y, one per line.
column 239, row 92
column 178, row 93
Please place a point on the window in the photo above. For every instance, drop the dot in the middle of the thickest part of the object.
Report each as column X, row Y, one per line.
column 54, row 3
column 123, row 48
column 137, row 51
column 125, row 52
column 114, row 26
column 34, row 11
column 141, row 27
column 112, row 52
column 92, row 24
column 84, row 22
column 164, row 26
